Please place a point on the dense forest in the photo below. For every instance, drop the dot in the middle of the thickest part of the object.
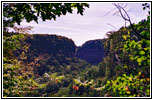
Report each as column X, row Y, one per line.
column 43, row 65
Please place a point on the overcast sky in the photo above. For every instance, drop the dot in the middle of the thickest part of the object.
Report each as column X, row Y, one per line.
column 94, row 24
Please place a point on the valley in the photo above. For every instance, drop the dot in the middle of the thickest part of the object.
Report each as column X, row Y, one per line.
column 49, row 65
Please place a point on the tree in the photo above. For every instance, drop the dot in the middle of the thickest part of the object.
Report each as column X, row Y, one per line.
column 16, row 12
column 136, row 48
column 18, row 76
column 126, row 17
column 138, row 42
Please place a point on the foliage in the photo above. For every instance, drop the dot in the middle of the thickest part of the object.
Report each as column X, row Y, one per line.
column 16, row 12
column 16, row 85
column 47, row 65
column 133, row 57
column 21, row 74
column 11, row 43
column 138, row 48
column 16, row 80
column 129, row 86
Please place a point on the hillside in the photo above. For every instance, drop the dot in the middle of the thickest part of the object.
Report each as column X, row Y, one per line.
column 92, row 51
column 54, row 54
column 54, row 45
column 61, row 47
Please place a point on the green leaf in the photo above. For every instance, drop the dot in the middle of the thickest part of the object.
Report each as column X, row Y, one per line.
column 108, row 82
column 124, row 75
column 118, row 78
column 141, row 87
column 123, row 79
column 139, row 73
column 139, row 60
column 131, row 57
column 114, row 89
column 128, row 32
column 142, row 52
column 147, row 90
column 139, row 45
column 128, row 92
column 125, row 46
column 124, row 37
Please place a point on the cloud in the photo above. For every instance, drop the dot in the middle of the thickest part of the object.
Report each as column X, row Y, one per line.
column 94, row 24
column 53, row 28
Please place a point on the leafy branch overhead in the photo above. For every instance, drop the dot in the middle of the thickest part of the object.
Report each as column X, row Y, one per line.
column 16, row 12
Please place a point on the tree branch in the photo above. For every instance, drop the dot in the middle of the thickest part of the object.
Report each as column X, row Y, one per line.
column 126, row 17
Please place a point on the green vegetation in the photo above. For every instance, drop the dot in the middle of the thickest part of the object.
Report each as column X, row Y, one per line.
column 48, row 65
column 16, row 12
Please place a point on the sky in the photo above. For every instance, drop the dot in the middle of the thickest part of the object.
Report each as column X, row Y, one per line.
column 96, row 21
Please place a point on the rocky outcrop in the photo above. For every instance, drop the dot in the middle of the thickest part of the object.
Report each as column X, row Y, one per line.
column 92, row 51
column 60, row 47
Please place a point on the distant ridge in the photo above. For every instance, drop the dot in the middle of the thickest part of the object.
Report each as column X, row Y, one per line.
column 62, row 47
column 92, row 51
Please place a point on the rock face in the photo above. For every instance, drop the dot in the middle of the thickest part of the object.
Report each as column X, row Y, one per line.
column 60, row 47
column 53, row 45
column 92, row 51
